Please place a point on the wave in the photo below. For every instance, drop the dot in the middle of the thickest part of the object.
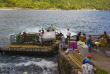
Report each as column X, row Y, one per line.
column 39, row 66
column 43, row 63
column 36, row 30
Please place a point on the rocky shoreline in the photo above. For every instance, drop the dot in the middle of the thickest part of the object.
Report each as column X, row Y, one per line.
column 49, row 9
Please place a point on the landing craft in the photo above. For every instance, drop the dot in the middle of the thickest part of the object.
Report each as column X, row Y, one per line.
column 29, row 43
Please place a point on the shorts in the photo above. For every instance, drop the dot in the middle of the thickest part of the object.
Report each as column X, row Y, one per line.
column 68, row 36
column 90, row 47
column 63, row 43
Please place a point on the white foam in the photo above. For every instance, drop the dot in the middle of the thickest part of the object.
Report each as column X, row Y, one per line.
column 43, row 63
column 2, row 64
column 64, row 31
column 35, row 30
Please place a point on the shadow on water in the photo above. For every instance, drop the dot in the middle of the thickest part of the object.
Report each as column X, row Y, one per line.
column 30, row 54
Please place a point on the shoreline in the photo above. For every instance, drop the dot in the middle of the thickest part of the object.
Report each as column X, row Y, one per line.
column 49, row 9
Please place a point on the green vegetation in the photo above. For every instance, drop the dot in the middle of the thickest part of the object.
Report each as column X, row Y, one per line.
column 101, row 72
column 56, row 4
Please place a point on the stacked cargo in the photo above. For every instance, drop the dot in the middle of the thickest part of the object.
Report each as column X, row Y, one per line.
column 83, row 49
column 72, row 46
column 102, row 41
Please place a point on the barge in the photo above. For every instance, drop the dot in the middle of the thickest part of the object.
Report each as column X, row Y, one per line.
column 41, row 42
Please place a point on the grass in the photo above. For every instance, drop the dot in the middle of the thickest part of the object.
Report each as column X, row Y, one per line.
column 99, row 71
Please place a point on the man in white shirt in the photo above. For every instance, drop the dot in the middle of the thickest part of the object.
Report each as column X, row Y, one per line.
column 87, row 68
column 68, row 34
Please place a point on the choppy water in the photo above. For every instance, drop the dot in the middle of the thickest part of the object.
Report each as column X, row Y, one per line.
column 15, row 21
column 17, row 64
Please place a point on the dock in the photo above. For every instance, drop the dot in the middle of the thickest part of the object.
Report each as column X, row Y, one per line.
column 67, row 63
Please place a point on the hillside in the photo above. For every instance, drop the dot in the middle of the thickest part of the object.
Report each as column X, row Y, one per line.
column 108, row 8
column 56, row 4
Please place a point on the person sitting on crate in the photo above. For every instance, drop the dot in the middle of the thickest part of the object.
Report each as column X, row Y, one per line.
column 104, row 36
column 52, row 27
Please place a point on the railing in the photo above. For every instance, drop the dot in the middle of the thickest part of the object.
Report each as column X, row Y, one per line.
column 29, row 39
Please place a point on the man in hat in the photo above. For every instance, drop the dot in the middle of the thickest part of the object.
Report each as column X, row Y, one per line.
column 87, row 68
column 88, row 57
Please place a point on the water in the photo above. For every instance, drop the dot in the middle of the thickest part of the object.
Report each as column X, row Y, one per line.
column 15, row 21
column 16, row 64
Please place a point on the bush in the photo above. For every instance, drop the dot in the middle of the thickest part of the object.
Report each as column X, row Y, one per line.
column 60, row 4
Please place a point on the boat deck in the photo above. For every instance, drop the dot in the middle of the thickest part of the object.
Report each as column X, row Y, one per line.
column 30, row 47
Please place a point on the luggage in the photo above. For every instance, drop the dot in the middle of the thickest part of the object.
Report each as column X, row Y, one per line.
column 72, row 46
column 83, row 49
column 49, row 36
column 102, row 42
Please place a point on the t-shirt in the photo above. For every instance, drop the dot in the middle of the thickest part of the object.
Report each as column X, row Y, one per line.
column 63, row 38
column 40, row 37
column 77, row 38
column 105, row 35
column 68, row 33
column 84, row 61
column 87, row 69
column 42, row 31
column 58, row 31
